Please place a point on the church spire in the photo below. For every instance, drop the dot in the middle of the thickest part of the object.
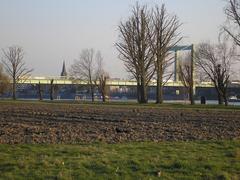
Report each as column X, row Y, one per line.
column 64, row 72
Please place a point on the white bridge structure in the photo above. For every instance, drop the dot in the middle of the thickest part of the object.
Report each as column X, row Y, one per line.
column 63, row 80
column 110, row 82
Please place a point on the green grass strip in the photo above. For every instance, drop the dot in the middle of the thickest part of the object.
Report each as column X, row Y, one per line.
column 169, row 160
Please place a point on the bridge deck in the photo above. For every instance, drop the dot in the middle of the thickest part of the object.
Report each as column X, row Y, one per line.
column 109, row 82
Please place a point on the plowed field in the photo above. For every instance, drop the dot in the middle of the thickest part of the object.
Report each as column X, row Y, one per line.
column 63, row 123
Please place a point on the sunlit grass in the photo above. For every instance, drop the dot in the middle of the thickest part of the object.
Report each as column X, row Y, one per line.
column 170, row 160
column 123, row 104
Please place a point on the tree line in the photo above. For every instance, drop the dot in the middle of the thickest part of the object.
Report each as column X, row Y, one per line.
column 88, row 67
column 148, row 35
column 145, row 42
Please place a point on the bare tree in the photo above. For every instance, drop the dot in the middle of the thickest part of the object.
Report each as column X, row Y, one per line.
column 216, row 62
column 15, row 66
column 4, row 81
column 84, row 69
column 186, row 76
column 101, row 77
column 102, row 86
column 232, row 27
column 134, row 48
column 166, row 36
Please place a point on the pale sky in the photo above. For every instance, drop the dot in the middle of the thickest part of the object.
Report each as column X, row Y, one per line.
column 51, row 31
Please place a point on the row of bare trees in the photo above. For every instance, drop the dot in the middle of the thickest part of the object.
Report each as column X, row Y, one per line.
column 13, row 69
column 147, row 38
column 89, row 68
column 213, row 63
column 144, row 45
column 216, row 61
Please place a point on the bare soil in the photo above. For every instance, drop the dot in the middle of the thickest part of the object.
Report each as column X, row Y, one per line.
column 69, row 124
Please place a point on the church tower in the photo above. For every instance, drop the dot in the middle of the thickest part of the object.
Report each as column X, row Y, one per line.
column 64, row 72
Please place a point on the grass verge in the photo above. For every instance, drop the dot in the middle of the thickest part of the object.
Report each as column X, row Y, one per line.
column 169, row 160
column 124, row 104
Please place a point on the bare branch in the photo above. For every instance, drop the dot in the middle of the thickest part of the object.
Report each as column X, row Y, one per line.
column 232, row 28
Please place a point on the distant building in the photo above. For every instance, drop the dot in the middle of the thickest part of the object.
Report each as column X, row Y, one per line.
column 64, row 72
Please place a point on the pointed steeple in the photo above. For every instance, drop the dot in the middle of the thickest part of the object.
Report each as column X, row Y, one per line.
column 64, row 72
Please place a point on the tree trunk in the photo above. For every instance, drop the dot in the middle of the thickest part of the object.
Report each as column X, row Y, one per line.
column 161, row 94
column 225, row 99
column 192, row 82
column 103, row 96
column 39, row 91
column 143, row 94
column 138, row 91
column 220, row 99
column 143, row 91
column 14, row 89
column 103, row 89
column 92, row 92
column 51, row 90
column 191, row 96
column 159, row 90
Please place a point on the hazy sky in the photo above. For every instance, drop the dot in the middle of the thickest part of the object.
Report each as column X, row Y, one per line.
column 51, row 31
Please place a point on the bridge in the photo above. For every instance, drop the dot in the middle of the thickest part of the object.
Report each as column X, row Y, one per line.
column 110, row 82
column 116, row 82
